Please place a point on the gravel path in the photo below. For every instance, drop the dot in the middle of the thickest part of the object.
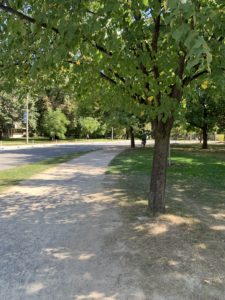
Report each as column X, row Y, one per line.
column 54, row 236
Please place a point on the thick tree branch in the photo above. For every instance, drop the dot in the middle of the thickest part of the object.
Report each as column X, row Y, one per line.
column 135, row 96
column 154, row 46
column 24, row 17
column 189, row 79
column 102, row 49
column 122, row 79
column 106, row 77
column 156, row 31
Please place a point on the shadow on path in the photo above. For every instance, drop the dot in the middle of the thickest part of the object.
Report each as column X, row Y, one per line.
column 54, row 236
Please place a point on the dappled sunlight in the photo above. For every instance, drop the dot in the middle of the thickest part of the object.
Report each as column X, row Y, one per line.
column 172, row 262
column 153, row 229
column 177, row 199
column 34, row 288
column 85, row 256
column 35, row 190
column 201, row 246
column 57, row 253
column 219, row 216
column 96, row 296
column 157, row 229
column 178, row 220
column 72, row 237
column 55, row 229
column 10, row 211
column 218, row 227
column 207, row 208
column 179, row 250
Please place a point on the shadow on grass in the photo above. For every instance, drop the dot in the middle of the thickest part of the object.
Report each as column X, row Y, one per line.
column 181, row 255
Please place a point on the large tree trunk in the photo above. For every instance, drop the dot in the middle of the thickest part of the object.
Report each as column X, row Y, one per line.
column 132, row 140
column 158, row 176
column 205, row 137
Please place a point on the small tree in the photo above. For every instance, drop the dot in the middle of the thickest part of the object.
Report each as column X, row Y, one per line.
column 54, row 124
column 89, row 125
column 203, row 112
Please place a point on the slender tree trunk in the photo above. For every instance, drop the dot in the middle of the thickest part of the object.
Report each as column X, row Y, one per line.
column 132, row 140
column 205, row 137
column 127, row 134
column 158, row 176
column 205, row 126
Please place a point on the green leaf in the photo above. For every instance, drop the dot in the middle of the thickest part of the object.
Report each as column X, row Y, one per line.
column 192, row 63
column 172, row 4
column 180, row 32
column 145, row 2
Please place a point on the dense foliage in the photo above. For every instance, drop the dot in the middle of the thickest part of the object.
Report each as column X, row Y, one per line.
column 144, row 56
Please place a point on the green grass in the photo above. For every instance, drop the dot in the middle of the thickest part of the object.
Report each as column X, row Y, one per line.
column 207, row 166
column 13, row 176
column 191, row 233
column 194, row 174
column 136, row 161
column 43, row 140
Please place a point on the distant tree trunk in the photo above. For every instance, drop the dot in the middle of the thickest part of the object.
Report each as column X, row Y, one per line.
column 132, row 140
column 205, row 127
column 161, row 133
column 127, row 134
column 205, row 137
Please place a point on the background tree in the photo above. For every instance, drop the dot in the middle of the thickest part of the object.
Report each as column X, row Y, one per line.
column 204, row 110
column 54, row 124
column 89, row 126
column 201, row 114
column 9, row 114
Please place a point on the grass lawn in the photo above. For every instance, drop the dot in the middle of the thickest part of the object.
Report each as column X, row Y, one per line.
column 195, row 169
column 43, row 140
column 15, row 175
column 182, row 251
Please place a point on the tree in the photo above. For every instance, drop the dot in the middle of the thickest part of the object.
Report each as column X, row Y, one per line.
column 55, row 123
column 51, row 99
column 149, row 52
column 202, row 112
column 9, row 113
column 89, row 125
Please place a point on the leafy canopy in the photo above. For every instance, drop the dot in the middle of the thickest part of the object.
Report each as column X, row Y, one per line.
column 144, row 54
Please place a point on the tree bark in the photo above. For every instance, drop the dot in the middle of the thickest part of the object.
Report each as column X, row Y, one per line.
column 205, row 137
column 205, row 126
column 132, row 140
column 127, row 134
column 160, row 159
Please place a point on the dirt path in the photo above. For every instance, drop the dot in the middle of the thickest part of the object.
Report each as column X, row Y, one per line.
column 54, row 232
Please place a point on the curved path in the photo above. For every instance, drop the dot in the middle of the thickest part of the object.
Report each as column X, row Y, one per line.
column 55, row 232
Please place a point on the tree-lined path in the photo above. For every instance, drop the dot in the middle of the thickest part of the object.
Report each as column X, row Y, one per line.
column 54, row 230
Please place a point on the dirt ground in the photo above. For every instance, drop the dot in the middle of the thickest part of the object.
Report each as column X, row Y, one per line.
column 74, row 233
column 176, row 256
column 54, row 236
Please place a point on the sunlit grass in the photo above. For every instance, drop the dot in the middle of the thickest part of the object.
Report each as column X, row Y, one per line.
column 15, row 175
column 193, row 174
column 132, row 162
column 43, row 140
